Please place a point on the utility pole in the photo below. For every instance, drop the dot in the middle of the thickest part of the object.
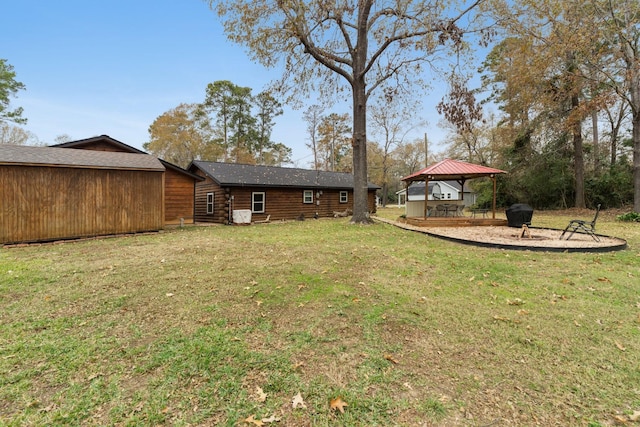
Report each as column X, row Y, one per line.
column 426, row 151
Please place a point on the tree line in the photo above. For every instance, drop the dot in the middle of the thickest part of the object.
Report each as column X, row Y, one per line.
column 563, row 76
column 230, row 125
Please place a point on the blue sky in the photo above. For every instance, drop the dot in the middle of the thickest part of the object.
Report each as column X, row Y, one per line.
column 93, row 68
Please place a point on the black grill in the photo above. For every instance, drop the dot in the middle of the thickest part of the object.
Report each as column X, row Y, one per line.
column 519, row 214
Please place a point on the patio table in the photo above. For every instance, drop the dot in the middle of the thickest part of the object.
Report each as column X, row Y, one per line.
column 475, row 212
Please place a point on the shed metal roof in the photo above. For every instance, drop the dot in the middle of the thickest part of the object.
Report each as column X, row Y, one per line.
column 63, row 157
column 234, row 174
column 449, row 169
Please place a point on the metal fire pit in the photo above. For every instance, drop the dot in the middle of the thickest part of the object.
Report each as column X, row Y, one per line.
column 519, row 214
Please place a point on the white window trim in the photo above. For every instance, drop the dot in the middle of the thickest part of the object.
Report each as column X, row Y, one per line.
column 210, row 204
column 253, row 201
column 344, row 199
column 306, row 199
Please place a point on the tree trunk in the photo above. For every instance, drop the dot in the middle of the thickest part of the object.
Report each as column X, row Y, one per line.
column 360, row 182
column 578, row 157
column 596, row 142
column 636, row 157
column 359, row 87
column 635, row 120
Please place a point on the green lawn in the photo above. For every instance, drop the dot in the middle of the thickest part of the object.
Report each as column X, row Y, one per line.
column 225, row 325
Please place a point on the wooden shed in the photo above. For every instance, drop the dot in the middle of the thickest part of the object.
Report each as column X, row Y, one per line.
column 271, row 192
column 55, row 193
column 179, row 184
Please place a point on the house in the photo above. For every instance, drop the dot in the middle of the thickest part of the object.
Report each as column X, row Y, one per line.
column 232, row 192
column 56, row 193
column 438, row 190
column 179, row 184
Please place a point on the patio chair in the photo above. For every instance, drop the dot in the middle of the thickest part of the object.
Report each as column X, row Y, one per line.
column 581, row 226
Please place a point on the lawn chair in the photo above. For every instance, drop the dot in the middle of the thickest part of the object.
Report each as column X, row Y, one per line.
column 581, row 226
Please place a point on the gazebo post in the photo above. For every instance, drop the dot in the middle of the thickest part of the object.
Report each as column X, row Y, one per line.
column 426, row 197
column 493, row 177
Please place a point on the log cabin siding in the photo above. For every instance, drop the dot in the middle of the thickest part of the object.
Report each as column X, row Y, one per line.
column 220, row 204
column 51, row 203
column 233, row 185
column 280, row 203
column 287, row 203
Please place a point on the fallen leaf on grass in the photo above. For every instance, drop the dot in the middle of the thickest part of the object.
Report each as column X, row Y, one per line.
column 338, row 404
column 261, row 396
column 620, row 346
column 516, row 301
column 604, row 279
column 619, row 420
column 502, row 319
column 391, row 359
column 271, row 419
column 298, row 401
column 252, row 420
column 635, row 416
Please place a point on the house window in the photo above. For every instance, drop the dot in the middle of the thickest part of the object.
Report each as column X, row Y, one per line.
column 257, row 202
column 210, row 199
column 307, row 196
column 344, row 196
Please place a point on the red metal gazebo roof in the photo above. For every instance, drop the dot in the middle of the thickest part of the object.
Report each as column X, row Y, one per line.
column 449, row 169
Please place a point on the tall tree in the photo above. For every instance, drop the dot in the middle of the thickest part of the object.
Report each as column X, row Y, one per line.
column 391, row 120
column 231, row 106
column 181, row 135
column 334, row 138
column 312, row 116
column 617, row 24
column 9, row 87
column 410, row 157
column 268, row 109
column 554, row 40
column 366, row 44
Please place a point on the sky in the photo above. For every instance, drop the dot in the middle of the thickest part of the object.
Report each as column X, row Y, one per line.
column 112, row 67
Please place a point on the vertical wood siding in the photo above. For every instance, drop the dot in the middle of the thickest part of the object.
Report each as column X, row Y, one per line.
column 43, row 203
column 179, row 197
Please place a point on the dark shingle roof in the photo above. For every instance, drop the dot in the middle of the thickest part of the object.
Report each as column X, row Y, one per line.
column 64, row 157
column 234, row 175
column 106, row 139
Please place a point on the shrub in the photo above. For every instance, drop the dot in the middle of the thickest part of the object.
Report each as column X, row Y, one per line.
column 629, row 217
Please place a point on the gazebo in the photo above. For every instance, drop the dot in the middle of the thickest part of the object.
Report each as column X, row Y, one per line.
column 453, row 170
